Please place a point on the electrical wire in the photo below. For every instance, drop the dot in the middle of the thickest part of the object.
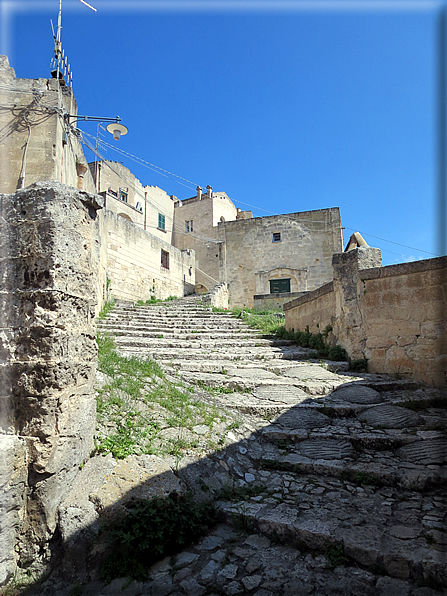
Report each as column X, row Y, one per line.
column 166, row 174
column 22, row 171
column 176, row 228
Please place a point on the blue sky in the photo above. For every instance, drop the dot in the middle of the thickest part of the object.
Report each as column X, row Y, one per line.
column 287, row 107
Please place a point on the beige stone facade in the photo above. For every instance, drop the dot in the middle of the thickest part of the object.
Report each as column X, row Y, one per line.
column 293, row 250
column 139, row 265
column 393, row 316
column 149, row 207
column 196, row 227
column 37, row 141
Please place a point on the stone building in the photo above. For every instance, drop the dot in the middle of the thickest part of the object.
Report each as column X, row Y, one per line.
column 37, row 140
column 150, row 207
column 265, row 261
column 39, row 143
column 195, row 222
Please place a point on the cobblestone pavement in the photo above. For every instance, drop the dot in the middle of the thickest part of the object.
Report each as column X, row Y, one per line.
column 333, row 483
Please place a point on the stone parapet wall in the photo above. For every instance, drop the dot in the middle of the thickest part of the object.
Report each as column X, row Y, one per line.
column 49, row 249
column 133, row 263
column 315, row 310
column 217, row 296
column 393, row 316
column 274, row 301
column 404, row 316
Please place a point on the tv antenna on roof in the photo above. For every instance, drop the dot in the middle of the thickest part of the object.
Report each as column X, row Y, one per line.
column 60, row 67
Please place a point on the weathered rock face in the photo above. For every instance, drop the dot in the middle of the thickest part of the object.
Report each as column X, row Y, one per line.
column 49, row 256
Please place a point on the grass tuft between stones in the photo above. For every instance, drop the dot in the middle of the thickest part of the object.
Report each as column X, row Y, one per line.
column 137, row 402
column 154, row 529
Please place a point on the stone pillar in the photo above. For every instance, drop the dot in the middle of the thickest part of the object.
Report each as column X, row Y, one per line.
column 348, row 328
column 49, row 258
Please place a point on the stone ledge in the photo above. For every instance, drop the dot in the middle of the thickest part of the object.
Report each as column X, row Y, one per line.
column 404, row 268
column 321, row 291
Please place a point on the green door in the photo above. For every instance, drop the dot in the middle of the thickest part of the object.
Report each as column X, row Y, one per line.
column 279, row 286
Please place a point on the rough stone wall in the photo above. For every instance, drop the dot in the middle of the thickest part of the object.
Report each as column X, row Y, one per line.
column 275, row 301
column 203, row 240
column 404, row 317
column 393, row 316
column 349, row 326
column 49, row 249
column 133, row 263
column 308, row 241
column 31, row 132
column 217, row 296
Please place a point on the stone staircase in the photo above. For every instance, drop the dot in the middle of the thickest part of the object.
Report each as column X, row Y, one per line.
column 325, row 460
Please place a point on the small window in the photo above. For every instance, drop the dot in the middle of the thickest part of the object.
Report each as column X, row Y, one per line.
column 123, row 195
column 189, row 226
column 164, row 259
column 161, row 223
column 276, row 237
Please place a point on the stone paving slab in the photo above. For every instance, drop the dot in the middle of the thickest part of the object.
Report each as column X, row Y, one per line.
column 323, row 458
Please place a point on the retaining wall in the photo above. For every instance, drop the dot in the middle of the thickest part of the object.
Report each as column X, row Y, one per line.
column 393, row 316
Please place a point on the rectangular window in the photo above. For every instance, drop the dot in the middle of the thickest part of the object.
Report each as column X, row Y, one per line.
column 161, row 223
column 164, row 259
column 123, row 195
column 279, row 286
column 276, row 237
column 189, row 226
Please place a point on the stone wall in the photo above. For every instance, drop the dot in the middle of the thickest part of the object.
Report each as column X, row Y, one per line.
column 133, row 262
column 404, row 316
column 217, row 297
column 49, row 249
column 393, row 316
column 250, row 258
column 205, row 213
column 35, row 141
column 274, row 301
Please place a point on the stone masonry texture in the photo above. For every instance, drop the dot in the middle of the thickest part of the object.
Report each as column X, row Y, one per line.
column 393, row 316
column 49, row 263
column 250, row 259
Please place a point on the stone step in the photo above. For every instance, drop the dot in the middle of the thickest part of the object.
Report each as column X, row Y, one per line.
column 189, row 342
column 338, row 457
column 399, row 532
column 179, row 332
column 175, row 324
column 236, row 353
column 164, row 311
column 168, row 336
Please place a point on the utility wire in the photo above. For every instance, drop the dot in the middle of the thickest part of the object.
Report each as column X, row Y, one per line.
column 166, row 173
column 177, row 228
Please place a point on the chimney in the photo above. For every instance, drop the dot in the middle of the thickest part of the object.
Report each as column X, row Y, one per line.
column 199, row 193
column 209, row 191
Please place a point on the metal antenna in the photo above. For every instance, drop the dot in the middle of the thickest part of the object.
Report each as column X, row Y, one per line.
column 59, row 62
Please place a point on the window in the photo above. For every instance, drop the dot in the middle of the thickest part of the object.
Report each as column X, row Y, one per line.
column 161, row 223
column 276, row 237
column 279, row 286
column 189, row 226
column 164, row 259
column 123, row 195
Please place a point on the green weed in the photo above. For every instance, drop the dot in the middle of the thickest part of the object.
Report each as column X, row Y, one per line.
column 106, row 309
column 154, row 529
column 126, row 405
column 335, row 556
